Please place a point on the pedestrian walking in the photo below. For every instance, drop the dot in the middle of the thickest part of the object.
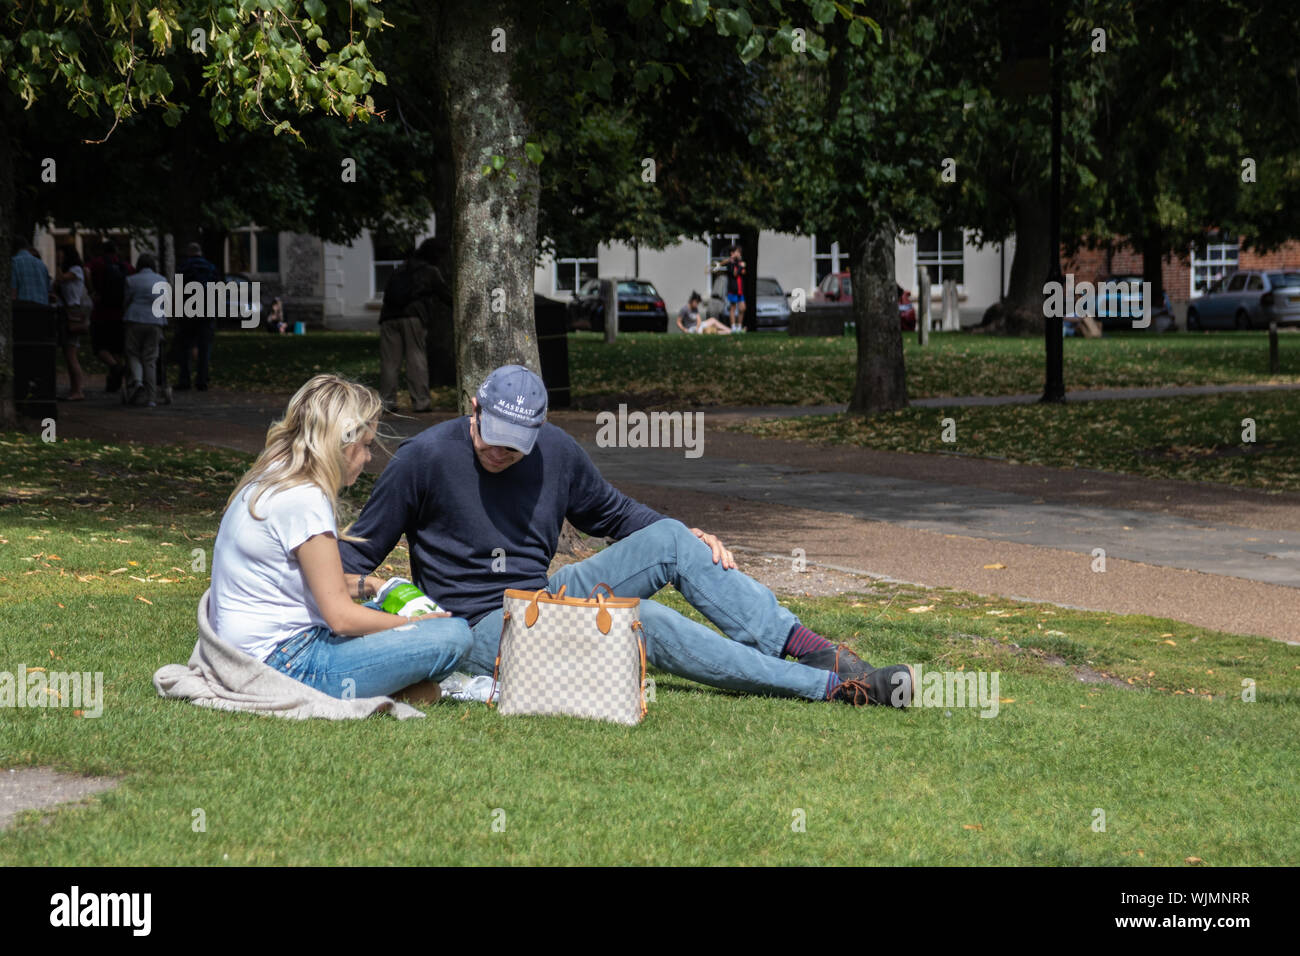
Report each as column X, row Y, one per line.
column 77, row 305
column 143, row 332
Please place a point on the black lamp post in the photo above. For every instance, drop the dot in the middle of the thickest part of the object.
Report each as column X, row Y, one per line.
column 1054, row 389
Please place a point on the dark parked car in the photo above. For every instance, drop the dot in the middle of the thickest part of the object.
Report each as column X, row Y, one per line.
column 1247, row 300
column 838, row 287
column 1118, row 312
column 772, row 307
column 640, row 306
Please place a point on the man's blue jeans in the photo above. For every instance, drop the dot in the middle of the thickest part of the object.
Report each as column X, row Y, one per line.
column 374, row 665
column 748, row 613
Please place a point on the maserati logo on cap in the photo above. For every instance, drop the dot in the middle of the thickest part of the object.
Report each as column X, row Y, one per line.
column 519, row 399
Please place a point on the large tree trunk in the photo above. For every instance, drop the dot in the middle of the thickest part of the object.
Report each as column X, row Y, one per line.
column 1021, row 312
column 494, row 230
column 749, row 250
column 881, row 384
column 8, row 412
column 441, row 339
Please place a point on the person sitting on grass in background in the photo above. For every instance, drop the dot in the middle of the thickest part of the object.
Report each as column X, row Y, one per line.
column 276, row 323
column 688, row 319
column 278, row 589
column 501, row 481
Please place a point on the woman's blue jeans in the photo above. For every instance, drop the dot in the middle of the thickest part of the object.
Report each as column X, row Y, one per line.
column 374, row 665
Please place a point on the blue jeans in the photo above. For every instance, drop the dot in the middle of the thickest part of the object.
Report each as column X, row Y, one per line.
column 374, row 665
column 747, row 612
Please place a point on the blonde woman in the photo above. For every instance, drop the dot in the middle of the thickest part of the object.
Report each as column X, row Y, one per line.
column 278, row 588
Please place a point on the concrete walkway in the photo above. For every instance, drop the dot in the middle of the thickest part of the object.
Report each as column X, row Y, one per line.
column 1079, row 395
column 1206, row 554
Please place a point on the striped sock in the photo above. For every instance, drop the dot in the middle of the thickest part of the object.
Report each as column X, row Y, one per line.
column 832, row 681
column 802, row 641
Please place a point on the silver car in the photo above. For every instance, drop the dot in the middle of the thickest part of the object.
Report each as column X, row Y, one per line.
column 1248, row 299
column 771, row 306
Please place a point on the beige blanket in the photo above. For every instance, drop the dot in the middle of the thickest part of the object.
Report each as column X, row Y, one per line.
column 223, row 677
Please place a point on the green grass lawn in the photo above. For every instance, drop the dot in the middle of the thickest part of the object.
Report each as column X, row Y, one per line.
column 97, row 574
column 645, row 369
column 1194, row 438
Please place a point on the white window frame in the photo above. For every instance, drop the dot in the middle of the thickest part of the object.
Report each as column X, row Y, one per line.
column 1227, row 263
column 252, row 231
column 712, row 262
column 838, row 258
column 576, row 263
column 942, row 257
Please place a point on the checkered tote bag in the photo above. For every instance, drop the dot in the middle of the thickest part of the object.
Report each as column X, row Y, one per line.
column 584, row 657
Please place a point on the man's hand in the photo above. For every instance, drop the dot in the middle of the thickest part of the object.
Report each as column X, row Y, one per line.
column 719, row 552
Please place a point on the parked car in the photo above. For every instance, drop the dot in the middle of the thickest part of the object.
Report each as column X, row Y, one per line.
column 1116, row 312
column 838, row 287
column 771, row 306
column 640, row 306
column 1247, row 299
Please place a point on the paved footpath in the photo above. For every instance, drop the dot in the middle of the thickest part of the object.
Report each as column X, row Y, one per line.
column 1224, row 558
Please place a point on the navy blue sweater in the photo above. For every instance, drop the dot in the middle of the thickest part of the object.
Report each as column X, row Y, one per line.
column 455, row 514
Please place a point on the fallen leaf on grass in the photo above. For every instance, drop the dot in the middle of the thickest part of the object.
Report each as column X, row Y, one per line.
column 144, row 599
column 920, row 609
column 972, row 826
column 1193, row 860
column 117, row 571
column 1006, row 700
column 1171, row 643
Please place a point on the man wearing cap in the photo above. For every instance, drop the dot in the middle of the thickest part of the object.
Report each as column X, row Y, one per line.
column 481, row 500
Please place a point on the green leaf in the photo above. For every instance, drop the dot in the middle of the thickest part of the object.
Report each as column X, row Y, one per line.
column 823, row 11
column 315, row 9
column 498, row 162
column 857, row 32
column 534, row 153
column 752, row 48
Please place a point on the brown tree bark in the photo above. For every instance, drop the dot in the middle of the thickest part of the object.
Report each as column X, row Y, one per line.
column 8, row 412
column 1021, row 312
column 494, row 229
column 881, row 384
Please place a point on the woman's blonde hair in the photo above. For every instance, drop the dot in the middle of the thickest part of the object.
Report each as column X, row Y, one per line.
column 305, row 447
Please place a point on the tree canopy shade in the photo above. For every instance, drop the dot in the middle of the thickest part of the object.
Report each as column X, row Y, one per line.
column 102, row 61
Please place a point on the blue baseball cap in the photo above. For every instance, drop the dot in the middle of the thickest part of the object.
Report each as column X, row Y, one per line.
column 513, row 402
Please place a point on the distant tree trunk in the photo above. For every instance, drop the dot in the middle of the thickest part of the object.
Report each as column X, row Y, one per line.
column 749, row 251
column 881, row 384
column 494, row 231
column 1021, row 312
column 441, row 340
column 1153, row 247
column 8, row 412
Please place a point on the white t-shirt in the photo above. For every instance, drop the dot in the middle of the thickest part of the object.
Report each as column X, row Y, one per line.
column 73, row 291
column 259, row 594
